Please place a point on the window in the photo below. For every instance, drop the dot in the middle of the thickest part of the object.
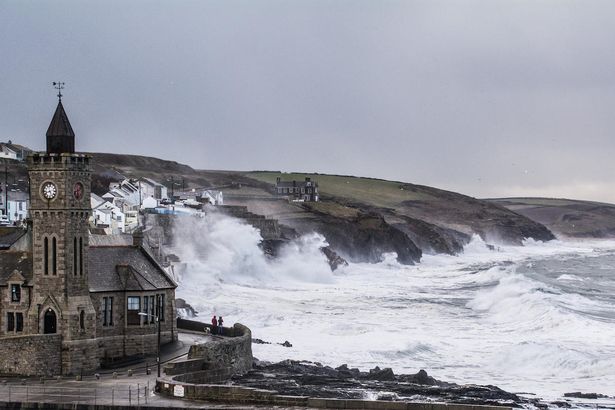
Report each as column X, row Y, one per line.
column 107, row 310
column 54, row 249
column 134, row 307
column 82, row 320
column 146, row 307
column 15, row 293
column 46, row 255
column 151, row 309
column 75, row 256
column 80, row 256
column 10, row 321
column 19, row 321
column 160, row 307
column 110, row 321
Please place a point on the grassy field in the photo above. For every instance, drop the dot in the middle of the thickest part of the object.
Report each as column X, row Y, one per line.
column 371, row 191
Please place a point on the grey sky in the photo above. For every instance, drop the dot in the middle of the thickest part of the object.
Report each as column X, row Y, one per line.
column 487, row 98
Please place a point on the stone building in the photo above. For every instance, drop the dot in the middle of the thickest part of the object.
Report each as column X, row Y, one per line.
column 73, row 307
column 298, row 190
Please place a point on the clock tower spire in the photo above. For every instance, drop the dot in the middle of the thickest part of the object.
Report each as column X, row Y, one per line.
column 60, row 182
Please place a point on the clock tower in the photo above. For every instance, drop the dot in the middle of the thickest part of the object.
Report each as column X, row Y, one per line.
column 59, row 208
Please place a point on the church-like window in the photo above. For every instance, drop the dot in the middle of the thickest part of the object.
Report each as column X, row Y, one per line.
column 10, row 321
column 75, row 256
column 134, row 307
column 54, row 256
column 46, row 255
column 82, row 320
column 110, row 311
column 15, row 293
column 80, row 256
column 19, row 322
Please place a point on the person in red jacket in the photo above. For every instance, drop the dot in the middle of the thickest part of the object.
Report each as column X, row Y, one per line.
column 214, row 325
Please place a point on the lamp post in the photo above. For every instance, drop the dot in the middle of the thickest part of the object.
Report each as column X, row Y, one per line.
column 157, row 319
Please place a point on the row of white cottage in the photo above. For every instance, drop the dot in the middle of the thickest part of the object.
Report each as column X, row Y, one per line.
column 117, row 211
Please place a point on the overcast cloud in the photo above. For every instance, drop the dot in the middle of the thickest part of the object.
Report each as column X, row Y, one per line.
column 488, row 98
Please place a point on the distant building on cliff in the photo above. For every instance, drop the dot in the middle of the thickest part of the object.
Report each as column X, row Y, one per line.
column 66, row 306
column 298, row 190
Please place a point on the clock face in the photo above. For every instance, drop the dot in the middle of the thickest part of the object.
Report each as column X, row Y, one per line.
column 78, row 191
column 49, row 190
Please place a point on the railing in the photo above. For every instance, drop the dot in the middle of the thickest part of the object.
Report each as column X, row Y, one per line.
column 131, row 394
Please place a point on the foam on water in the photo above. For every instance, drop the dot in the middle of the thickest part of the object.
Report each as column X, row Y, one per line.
column 523, row 318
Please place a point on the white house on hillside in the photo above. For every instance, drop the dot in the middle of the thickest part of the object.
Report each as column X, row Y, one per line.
column 107, row 215
column 153, row 189
column 214, row 197
column 6, row 152
column 17, row 206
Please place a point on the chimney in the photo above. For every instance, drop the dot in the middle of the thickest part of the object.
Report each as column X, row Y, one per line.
column 137, row 237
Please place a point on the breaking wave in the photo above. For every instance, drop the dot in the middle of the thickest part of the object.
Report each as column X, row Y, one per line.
column 537, row 318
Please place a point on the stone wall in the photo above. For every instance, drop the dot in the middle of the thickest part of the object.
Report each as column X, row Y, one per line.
column 228, row 352
column 250, row 396
column 35, row 355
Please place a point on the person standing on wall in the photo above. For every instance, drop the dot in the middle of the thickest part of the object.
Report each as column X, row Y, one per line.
column 220, row 324
column 214, row 325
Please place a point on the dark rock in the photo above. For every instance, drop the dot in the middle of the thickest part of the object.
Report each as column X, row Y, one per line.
column 335, row 261
column 182, row 304
column 296, row 378
column 419, row 378
column 580, row 395
column 348, row 373
column 363, row 238
column 286, row 344
column 564, row 404
column 260, row 342
column 383, row 375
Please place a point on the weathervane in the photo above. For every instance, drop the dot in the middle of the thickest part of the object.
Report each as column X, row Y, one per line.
column 59, row 86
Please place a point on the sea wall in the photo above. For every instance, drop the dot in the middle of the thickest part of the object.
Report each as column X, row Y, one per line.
column 33, row 355
column 234, row 353
column 250, row 396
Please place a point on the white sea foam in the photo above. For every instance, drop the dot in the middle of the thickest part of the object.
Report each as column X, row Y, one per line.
column 488, row 317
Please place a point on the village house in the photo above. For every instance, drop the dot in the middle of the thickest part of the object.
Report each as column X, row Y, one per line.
column 152, row 189
column 17, row 206
column 298, row 190
column 67, row 306
column 20, row 152
column 107, row 216
column 6, row 152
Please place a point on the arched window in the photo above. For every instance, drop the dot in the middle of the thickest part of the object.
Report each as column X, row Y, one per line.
column 46, row 255
column 80, row 256
column 54, row 256
column 82, row 320
column 75, row 256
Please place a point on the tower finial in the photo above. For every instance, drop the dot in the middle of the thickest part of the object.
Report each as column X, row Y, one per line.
column 59, row 85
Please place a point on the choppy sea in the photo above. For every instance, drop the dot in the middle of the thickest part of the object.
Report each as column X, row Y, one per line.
column 537, row 319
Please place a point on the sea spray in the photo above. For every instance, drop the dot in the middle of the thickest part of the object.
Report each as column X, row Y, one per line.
column 505, row 316
column 220, row 249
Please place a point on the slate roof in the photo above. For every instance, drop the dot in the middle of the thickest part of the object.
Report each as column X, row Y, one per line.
column 9, row 235
column 11, row 261
column 110, row 240
column 131, row 268
column 60, row 126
